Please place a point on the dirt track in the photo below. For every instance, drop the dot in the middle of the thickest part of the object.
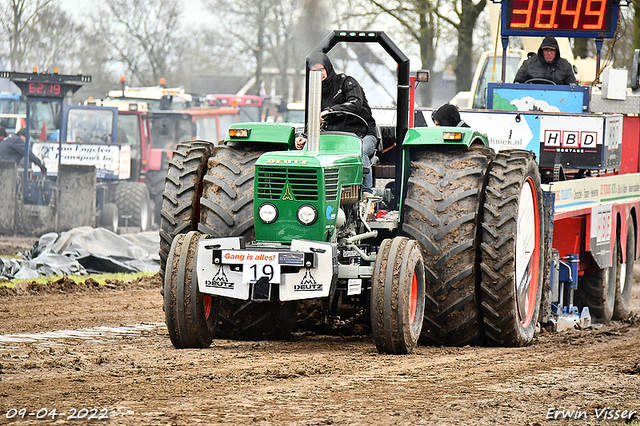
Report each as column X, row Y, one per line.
column 139, row 378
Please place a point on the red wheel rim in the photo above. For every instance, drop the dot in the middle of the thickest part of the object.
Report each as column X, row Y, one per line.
column 207, row 305
column 532, row 269
column 414, row 297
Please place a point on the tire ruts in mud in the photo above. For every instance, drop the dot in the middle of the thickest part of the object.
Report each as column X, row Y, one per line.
column 442, row 208
column 511, row 171
column 183, row 187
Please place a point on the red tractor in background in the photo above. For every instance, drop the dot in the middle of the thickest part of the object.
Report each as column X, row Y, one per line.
column 158, row 127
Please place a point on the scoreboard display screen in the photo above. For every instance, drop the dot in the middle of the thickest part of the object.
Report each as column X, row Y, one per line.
column 568, row 18
column 45, row 90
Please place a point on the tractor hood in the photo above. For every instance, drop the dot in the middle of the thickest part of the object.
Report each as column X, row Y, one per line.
column 301, row 190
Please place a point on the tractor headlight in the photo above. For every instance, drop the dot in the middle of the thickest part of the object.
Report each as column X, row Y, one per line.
column 268, row 213
column 307, row 214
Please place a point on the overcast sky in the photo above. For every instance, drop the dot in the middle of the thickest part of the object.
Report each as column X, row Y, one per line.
column 194, row 9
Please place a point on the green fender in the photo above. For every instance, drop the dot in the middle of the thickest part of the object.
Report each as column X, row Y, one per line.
column 433, row 139
column 282, row 134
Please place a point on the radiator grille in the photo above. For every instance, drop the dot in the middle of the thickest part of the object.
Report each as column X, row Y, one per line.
column 302, row 182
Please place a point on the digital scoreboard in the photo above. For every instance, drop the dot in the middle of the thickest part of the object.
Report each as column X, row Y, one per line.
column 45, row 85
column 564, row 18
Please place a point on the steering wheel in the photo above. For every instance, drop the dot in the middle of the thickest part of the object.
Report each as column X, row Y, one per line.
column 539, row 81
column 336, row 113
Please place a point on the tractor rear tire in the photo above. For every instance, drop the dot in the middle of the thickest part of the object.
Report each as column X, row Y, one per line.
column 183, row 187
column 512, row 254
column 247, row 320
column 227, row 199
column 624, row 279
column 444, row 195
column 190, row 315
column 132, row 199
column 155, row 183
column 227, row 211
column 397, row 296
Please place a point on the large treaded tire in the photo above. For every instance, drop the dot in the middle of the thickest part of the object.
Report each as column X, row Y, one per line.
column 227, row 199
column 183, row 187
column 132, row 199
column 624, row 279
column 109, row 217
column 597, row 291
column 512, row 227
column 397, row 296
column 155, row 180
column 246, row 320
column 227, row 211
column 442, row 206
column 190, row 315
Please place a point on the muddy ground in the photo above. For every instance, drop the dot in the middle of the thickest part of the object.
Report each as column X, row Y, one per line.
column 132, row 372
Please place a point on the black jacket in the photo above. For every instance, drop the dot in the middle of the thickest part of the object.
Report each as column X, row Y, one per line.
column 559, row 70
column 12, row 148
column 341, row 92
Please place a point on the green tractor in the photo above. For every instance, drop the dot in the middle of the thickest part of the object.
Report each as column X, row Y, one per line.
column 253, row 227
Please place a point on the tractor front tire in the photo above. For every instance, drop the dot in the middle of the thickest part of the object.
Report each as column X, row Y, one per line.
column 227, row 211
column 512, row 255
column 444, row 195
column 190, row 315
column 183, row 187
column 397, row 296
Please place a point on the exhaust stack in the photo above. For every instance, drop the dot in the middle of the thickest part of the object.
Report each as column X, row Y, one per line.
column 314, row 105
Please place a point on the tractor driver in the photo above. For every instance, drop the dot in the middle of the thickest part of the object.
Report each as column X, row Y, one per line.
column 341, row 92
column 547, row 65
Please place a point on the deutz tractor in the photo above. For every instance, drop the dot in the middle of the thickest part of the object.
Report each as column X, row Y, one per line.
column 252, row 227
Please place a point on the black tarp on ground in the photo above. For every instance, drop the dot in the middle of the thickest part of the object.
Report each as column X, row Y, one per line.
column 86, row 250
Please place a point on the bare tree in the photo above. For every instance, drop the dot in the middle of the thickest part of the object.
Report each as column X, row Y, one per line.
column 417, row 18
column 244, row 24
column 18, row 17
column 144, row 36
column 283, row 23
column 467, row 13
column 53, row 40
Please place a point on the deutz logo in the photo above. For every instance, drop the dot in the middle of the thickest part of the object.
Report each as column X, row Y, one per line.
column 287, row 194
column 281, row 161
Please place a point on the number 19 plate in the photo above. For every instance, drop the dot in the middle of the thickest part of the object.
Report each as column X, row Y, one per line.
column 255, row 265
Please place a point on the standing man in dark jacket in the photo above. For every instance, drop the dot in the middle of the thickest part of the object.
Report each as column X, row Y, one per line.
column 547, row 65
column 342, row 93
column 12, row 148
